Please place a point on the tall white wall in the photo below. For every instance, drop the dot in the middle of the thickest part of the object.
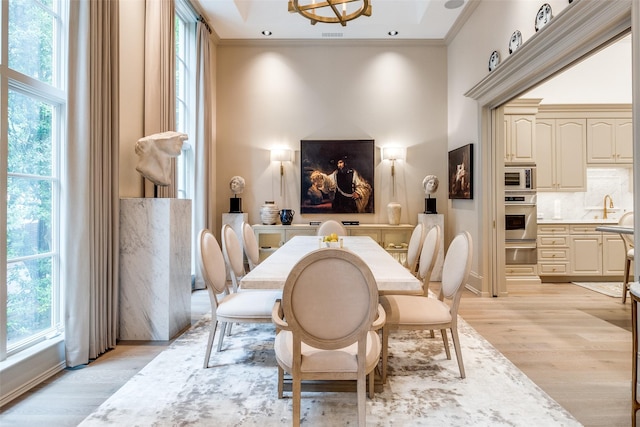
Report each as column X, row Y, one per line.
column 278, row 94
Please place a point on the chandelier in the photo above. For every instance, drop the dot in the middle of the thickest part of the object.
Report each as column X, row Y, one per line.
column 327, row 11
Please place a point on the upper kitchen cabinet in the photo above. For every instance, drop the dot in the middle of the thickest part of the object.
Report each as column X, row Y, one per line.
column 610, row 138
column 520, row 131
column 561, row 153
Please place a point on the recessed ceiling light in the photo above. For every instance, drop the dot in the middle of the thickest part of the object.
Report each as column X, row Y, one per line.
column 266, row 33
column 453, row 4
column 393, row 33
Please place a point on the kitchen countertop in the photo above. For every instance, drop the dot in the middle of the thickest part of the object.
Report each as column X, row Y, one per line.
column 578, row 221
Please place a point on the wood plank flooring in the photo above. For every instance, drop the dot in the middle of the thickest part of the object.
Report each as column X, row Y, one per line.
column 574, row 343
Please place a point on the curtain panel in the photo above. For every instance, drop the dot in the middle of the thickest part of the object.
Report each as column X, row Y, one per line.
column 90, row 193
column 203, row 209
column 159, row 80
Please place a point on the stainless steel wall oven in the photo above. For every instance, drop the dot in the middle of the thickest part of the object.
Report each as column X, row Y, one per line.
column 520, row 209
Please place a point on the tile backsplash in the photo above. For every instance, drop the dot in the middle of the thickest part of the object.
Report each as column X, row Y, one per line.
column 616, row 182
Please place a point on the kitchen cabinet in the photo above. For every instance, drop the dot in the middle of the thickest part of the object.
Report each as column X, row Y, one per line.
column 578, row 250
column 610, row 141
column 394, row 238
column 519, row 131
column 561, row 154
column 553, row 249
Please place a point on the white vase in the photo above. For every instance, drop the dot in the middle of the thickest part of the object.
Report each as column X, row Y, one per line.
column 394, row 210
column 269, row 213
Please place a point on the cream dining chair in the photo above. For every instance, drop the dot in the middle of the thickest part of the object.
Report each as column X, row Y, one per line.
column 426, row 313
column 327, row 326
column 233, row 255
column 250, row 244
column 331, row 226
column 226, row 306
column 415, row 247
column 626, row 220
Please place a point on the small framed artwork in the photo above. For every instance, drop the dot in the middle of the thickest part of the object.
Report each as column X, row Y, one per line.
column 337, row 176
column 461, row 172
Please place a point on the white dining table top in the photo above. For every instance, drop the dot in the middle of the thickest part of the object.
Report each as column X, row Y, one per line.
column 272, row 272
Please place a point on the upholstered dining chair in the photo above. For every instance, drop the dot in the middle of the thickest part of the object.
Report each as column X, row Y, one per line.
column 428, row 257
column 226, row 306
column 250, row 244
column 326, row 327
column 331, row 226
column 233, row 255
column 627, row 221
column 427, row 313
column 415, row 247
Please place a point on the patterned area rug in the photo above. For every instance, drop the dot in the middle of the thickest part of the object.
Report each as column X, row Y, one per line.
column 240, row 387
column 612, row 289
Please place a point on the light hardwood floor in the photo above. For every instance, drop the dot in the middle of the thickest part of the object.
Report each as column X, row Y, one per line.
column 574, row 343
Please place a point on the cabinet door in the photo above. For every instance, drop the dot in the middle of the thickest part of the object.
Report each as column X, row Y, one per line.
column 522, row 137
column 545, row 141
column 624, row 141
column 507, row 138
column 601, row 143
column 570, row 148
column 586, row 259
column 613, row 255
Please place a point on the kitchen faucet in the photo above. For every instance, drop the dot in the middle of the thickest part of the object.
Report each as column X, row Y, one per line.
column 605, row 205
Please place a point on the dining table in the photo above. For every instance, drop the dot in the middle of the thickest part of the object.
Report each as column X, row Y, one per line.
column 390, row 275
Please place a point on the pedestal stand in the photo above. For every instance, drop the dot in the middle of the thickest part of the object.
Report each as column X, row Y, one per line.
column 155, row 268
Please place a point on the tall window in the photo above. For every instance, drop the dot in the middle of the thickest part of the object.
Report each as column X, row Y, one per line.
column 185, row 91
column 31, row 135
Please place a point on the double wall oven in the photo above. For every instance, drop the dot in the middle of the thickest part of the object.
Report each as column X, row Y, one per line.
column 521, row 213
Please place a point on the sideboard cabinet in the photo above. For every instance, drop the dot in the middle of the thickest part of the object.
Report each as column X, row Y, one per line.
column 394, row 238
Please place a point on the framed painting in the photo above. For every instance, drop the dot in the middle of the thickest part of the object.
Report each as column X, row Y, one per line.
column 461, row 172
column 337, row 176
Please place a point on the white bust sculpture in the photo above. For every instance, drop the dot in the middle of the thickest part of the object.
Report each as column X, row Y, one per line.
column 155, row 153
column 236, row 184
column 430, row 184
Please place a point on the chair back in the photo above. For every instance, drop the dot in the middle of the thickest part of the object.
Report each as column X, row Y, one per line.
column 415, row 247
column 232, row 254
column 250, row 245
column 626, row 220
column 331, row 226
column 428, row 256
column 330, row 311
column 211, row 263
column 456, row 267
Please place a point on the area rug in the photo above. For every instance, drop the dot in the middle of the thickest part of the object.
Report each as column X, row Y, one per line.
column 612, row 289
column 240, row 387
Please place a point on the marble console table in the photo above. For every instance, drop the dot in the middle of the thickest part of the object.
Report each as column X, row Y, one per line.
column 155, row 268
column 429, row 220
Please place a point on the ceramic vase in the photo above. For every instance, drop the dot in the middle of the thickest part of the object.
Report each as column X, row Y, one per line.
column 286, row 216
column 394, row 210
column 269, row 213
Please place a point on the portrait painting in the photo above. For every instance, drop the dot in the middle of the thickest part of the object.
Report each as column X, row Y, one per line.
column 461, row 172
column 337, row 176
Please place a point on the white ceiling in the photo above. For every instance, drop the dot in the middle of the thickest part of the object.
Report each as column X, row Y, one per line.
column 413, row 19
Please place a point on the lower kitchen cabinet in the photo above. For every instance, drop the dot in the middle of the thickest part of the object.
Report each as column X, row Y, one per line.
column 578, row 250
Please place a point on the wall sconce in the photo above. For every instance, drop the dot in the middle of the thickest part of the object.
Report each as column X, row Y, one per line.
column 281, row 155
column 393, row 154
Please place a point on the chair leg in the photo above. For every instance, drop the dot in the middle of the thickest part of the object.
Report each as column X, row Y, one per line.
column 456, row 346
column 212, row 334
column 280, row 382
column 625, row 285
column 223, row 329
column 446, row 343
column 385, row 352
column 433, row 335
column 372, row 380
column 296, row 386
column 362, row 399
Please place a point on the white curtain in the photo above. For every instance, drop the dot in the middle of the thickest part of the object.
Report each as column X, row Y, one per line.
column 203, row 210
column 159, row 80
column 90, row 195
